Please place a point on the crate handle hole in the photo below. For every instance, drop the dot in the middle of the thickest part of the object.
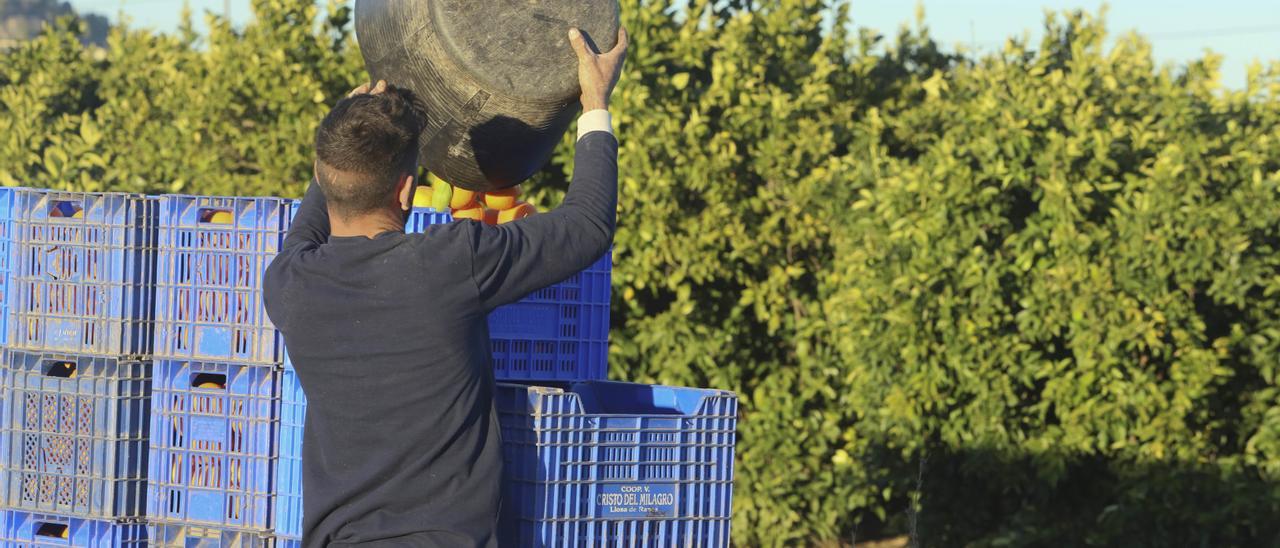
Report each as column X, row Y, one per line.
column 217, row 216
column 52, row 530
column 66, row 208
column 64, row 369
column 209, row 381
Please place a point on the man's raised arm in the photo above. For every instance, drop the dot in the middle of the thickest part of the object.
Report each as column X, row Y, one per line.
column 515, row 259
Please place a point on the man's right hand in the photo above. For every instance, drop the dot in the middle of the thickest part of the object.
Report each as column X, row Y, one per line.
column 597, row 72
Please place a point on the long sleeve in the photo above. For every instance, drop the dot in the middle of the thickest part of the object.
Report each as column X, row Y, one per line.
column 309, row 230
column 311, row 224
column 518, row 258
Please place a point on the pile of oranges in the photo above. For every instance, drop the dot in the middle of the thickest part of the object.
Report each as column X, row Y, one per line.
column 494, row 208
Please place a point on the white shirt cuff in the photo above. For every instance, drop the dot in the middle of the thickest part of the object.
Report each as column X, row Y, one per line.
column 595, row 120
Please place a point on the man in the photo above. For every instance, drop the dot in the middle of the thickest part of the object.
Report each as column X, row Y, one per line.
column 387, row 330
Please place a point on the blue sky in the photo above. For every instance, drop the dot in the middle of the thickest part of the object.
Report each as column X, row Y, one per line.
column 1241, row 30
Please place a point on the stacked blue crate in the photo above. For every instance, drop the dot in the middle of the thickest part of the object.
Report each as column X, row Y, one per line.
column 216, row 397
column 36, row 530
column 82, row 277
column 6, row 236
column 293, row 413
column 75, row 434
column 211, row 444
column 77, row 376
column 213, row 253
column 601, row 463
column 559, row 333
column 616, row 464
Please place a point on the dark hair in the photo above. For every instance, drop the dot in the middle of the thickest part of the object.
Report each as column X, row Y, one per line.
column 363, row 146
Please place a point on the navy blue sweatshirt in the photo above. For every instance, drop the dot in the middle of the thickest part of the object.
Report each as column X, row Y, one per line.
column 390, row 342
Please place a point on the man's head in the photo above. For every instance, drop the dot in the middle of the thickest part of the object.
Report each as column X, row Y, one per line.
column 367, row 151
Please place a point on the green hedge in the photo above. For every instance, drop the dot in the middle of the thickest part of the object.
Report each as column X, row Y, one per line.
column 1023, row 298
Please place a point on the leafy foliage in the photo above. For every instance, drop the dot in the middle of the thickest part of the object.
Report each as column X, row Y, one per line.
column 230, row 112
column 1024, row 298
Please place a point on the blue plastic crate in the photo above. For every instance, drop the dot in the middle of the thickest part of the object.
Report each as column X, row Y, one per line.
column 6, row 237
column 4, row 417
column 560, row 333
column 185, row 535
column 83, row 272
column 212, row 438
column 32, row 529
column 213, row 254
column 75, row 434
column 422, row 217
column 617, row 464
column 293, row 414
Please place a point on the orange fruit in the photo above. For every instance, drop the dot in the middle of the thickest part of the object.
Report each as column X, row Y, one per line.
column 491, row 216
column 520, row 211
column 502, row 199
column 211, row 385
column 475, row 213
column 462, row 198
column 222, row 218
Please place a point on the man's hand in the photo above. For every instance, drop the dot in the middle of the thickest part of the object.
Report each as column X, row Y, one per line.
column 597, row 72
column 369, row 89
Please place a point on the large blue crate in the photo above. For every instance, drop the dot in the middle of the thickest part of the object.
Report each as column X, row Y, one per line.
column 83, row 272
column 6, row 237
column 212, row 438
column 186, row 535
column 213, row 254
column 31, row 530
column 617, row 464
column 75, row 434
column 293, row 415
column 559, row 333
